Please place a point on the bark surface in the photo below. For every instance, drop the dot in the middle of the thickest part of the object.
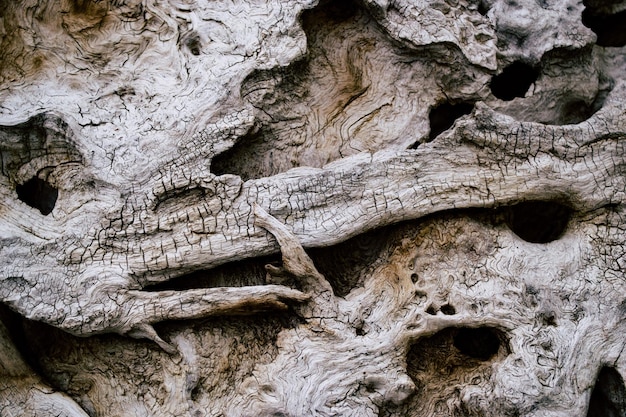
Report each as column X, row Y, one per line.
column 312, row 208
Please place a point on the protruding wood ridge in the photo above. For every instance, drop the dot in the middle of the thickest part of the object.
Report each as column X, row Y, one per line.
column 312, row 208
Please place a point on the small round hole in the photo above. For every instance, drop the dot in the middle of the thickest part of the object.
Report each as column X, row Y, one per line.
column 514, row 81
column 194, row 44
column 38, row 194
column 481, row 343
column 538, row 221
column 448, row 310
column 431, row 310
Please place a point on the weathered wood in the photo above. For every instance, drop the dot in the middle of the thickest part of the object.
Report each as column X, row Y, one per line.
column 156, row 157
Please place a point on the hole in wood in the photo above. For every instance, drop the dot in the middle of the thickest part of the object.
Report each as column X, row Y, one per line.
column 483, row 7
column 241, row 160
column 538, row 221
column 345, row 265
column 513, row 81
column 38, row 194
column 233, row 274
column 14, row 330
column 481, row 343
column 448, row 310
column 339, row 11
column 194, row 44
column 196, row 391
column 443, row 116
column 608, row 398
column 181, row 197
column 576, row 111
column 441, row 370
column 610, row 28
column 301, row 107
column 547, row 318
column 42, row 136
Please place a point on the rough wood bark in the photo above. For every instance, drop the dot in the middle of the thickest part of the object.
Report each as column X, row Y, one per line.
column 444, row 181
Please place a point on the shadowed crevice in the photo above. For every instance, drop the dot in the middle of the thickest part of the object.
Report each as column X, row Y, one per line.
column 483, row 7
column 481, row 343
column 538, row 221
column 608, row 398
column 45, row 135
column 285, row 98
column 442, row 364
column 457, row 349
column 233, row 274
column 443, row 116
column 514, row 81
column 345, row 265
column 192, row 42
column 14, row 324
column 31, row 151
column 247, row 157
column 610, row 28
column 38, row 194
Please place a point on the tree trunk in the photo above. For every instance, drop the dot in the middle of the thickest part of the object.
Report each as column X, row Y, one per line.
column 312, row 208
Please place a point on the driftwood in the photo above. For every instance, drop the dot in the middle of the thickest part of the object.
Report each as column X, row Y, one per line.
column 303, row 208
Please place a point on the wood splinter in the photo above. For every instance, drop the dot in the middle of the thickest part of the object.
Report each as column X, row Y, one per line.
column 149, row 308
column 296, row 262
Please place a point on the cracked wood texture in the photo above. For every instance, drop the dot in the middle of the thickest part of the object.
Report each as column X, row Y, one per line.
column 312, row 208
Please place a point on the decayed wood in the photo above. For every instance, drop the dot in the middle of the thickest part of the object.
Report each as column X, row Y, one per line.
column 22, row 392
column 145, row 155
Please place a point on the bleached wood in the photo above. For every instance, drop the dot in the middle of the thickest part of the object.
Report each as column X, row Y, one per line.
column 186, row 139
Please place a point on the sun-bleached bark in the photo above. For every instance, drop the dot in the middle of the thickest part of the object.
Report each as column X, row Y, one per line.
column 443, row 180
